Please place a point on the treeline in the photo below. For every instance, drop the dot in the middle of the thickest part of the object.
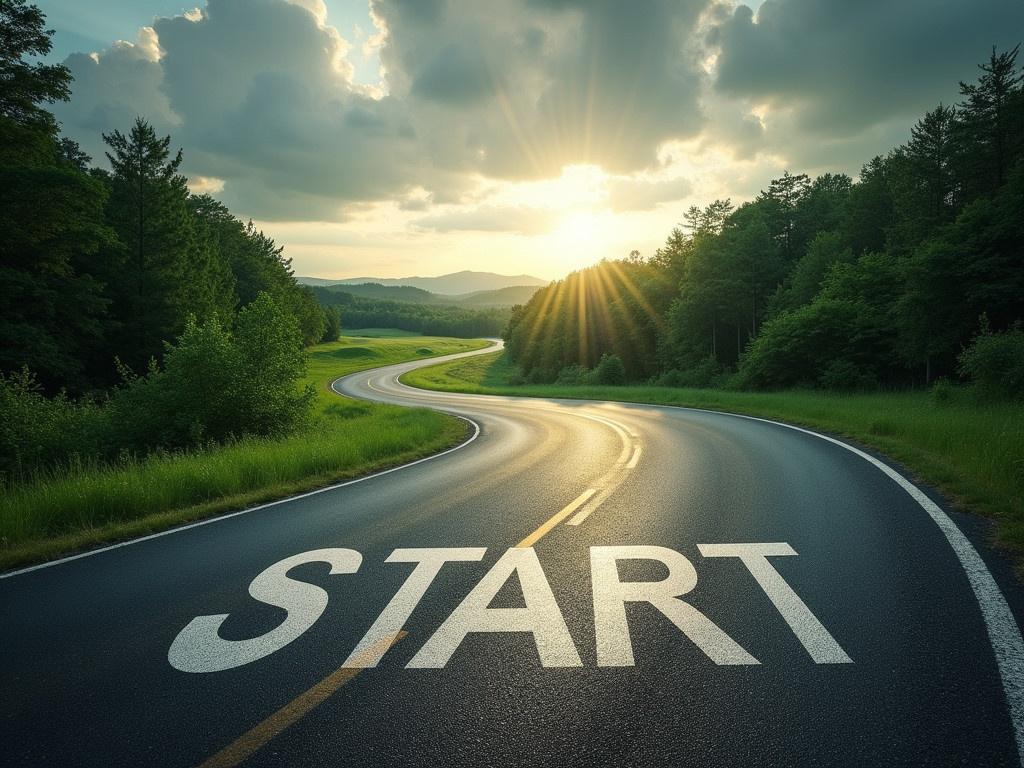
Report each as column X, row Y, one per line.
column 426, row 319
column 119, row 287
column 911, row 273
column 97, row 265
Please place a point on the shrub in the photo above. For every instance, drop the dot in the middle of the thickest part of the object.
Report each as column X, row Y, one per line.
column 847, row 376
column 806, row 346
column 994, row 362
column 572, row 375
column 214, row 386
column 332, row 324
column 610, row 370
column 706, row 373
column 37, row 431
column 942, row 391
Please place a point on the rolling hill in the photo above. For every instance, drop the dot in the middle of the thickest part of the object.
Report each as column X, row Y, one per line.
column 451, row 285
column 501, row 297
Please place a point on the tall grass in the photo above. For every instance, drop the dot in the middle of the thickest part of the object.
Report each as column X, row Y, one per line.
column 971, row 449
column 88, row 502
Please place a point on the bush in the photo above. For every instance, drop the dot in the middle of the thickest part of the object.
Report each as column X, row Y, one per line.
column 994, row 362
column 572, row 375
column 37, row 431
column 215, row 386
column 816, row 345
column 846, row 376
column 942, row 391
column 332, row 324
column 610, row 370
column 706, row 373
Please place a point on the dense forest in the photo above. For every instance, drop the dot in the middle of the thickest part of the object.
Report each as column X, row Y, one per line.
column 911, row 273
column 169, row 321
column 425, row 317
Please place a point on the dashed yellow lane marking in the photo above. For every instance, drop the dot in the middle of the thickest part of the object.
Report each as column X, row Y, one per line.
column 558, row 517
column 250, row 742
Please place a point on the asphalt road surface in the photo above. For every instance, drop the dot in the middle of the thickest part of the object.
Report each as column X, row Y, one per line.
column 582, row 583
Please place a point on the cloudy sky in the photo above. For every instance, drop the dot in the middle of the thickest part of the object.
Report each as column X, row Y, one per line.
column 401, row 137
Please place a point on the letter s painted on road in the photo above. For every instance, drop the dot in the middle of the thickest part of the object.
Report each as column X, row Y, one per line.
column 199, row 647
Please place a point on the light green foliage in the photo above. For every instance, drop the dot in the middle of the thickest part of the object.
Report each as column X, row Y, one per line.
column 84, row 501
column 994, row 362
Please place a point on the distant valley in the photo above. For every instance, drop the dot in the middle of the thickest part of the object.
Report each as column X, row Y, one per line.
column 458, row 285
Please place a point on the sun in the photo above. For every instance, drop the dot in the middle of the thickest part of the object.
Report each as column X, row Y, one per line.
column 582, row 228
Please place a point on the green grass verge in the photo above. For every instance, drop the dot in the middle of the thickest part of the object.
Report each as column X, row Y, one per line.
column 83, row 506
column 972, row 452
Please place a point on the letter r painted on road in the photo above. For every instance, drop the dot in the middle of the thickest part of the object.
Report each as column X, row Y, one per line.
column 805, row 625
column 614, row 646
column 200, row 648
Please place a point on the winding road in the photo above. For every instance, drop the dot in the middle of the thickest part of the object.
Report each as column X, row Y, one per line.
column 581, row 583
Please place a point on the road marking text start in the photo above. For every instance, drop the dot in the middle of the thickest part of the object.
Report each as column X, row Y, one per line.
column 199, row 647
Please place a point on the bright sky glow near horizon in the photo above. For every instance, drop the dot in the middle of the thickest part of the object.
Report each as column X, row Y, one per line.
column 422, row 137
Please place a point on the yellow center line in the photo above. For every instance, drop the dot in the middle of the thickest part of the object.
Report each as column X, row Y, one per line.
column 558, row 517
column 250, row 742
column 636, row 458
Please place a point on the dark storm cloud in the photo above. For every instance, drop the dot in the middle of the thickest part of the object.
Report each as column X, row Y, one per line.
column 845, row 65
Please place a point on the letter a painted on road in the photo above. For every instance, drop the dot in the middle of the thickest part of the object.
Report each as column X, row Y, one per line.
column 541, row 616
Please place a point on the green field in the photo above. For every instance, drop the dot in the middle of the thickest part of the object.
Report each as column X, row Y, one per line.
column 973, row 452
column 83, row 506
column 379, row 333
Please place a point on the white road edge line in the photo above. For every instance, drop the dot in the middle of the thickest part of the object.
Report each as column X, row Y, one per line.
column 1003, row 632
column 307, row 494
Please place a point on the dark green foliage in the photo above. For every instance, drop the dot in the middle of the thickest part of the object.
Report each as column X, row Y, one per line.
column 994, row 362
column 610, row 370
column 165, row 269
column 427, row 319
column 38, row 431
column 822, row 283
column 332, row 324
column 213, row 386
column 573, row 375
column 98, row 267
column 53, row 317
column 25, row 82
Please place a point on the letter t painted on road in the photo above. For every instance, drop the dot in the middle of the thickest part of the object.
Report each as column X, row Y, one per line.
column 805, row 625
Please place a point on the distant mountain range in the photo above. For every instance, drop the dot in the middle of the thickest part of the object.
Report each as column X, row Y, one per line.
column 501, row 297
column 456, row 284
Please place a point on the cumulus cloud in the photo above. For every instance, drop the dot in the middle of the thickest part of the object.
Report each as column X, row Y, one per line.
column 520, row 220
column 629, row 194
column 261, row 94
column 112, row 87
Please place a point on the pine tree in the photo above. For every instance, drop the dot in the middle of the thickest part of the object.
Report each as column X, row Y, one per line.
column 168, row 270
column 992, row 122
